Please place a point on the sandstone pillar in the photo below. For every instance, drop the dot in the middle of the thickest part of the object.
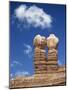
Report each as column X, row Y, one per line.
column 52, row 58
column 39, row 54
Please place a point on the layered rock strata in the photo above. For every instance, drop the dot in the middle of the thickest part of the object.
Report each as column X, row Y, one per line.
column 40, row 54
column 52, row 57
column 47, row 70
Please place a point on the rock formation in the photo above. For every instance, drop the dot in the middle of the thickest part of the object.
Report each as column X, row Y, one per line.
column 52, row 57
column 47, row 70
column 41, row 63
column 39, row 54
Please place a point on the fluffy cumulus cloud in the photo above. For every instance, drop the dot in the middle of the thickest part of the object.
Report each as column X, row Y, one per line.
column 34, row 16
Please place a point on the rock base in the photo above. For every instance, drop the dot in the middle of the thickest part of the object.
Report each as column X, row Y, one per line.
column 48, row 79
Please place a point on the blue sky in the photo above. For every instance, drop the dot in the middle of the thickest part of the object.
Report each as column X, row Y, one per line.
column 23, row 31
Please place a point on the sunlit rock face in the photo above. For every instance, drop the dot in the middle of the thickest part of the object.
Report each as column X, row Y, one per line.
column 39, row 54
column 52, row 41
column 39, row 41
column 52, row 57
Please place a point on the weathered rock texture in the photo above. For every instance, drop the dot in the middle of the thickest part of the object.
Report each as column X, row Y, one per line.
column 40, row 54
column 48, row 79
column 52, row 58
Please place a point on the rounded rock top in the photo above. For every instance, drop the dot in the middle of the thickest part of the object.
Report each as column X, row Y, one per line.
column 52, row 36
column 52, row 41
column 39, row 40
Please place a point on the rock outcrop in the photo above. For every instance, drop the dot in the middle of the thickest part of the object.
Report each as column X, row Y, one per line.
column 49, row 79
column 40, row 54
column 47, row 70
column 52, row 57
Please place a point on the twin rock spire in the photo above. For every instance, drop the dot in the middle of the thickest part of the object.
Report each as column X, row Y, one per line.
column 45, row 63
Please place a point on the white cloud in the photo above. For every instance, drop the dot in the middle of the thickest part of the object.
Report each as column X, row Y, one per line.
column 28, row 50
column 59, row 62
column 22, row 73
column 11, row 76
column 34, row 16
column 20, row 12
column 14, row 63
